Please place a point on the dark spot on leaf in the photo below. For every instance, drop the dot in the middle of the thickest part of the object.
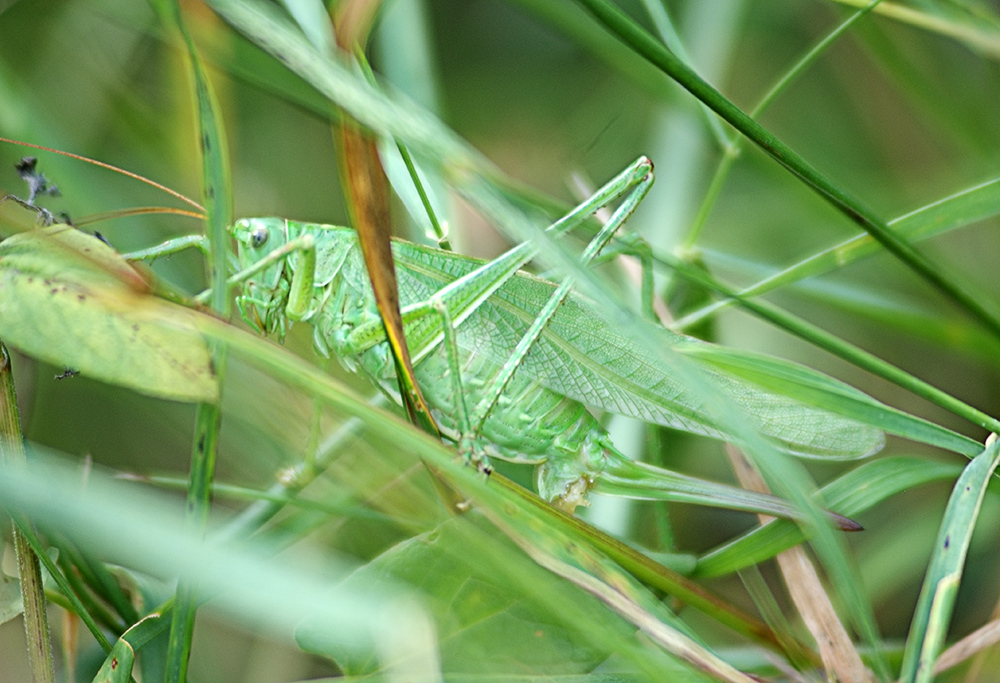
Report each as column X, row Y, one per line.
column 114, row 663
column 201, row 443
column 211, row 192
column 206, row 143
column 947, row 542
column 135, row 327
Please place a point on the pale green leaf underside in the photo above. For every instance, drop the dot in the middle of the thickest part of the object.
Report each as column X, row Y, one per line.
column 69, row 299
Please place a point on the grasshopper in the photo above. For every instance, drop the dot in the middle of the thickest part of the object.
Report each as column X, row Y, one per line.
column 526, row 353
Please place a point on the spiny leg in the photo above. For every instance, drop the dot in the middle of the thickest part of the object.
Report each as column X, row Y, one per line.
column 465, row 295
column 618, row 218
column 456, row 301
column 170, row 247
column 468, row 446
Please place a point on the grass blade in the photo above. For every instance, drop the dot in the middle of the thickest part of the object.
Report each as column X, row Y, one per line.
column 217, row 193
column 960, row 209
column 36, row 625
column 949, row 285
column 944, row 574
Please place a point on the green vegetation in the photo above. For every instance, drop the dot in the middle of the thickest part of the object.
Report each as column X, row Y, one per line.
column 323, row 534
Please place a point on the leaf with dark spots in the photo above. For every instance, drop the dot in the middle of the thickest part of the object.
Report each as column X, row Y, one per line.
column 70, row 300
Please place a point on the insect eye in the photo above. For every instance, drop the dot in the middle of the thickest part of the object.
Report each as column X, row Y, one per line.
column 258, row 237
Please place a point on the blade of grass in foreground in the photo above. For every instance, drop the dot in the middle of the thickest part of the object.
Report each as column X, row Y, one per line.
column 146, row 533
column 944, row 574
column 851, row 494
column 217, row 193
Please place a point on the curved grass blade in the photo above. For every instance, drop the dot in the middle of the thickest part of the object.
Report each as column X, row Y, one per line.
column 977, row 28
column 932, row 617
column 957, row 210
column 69, row 299
column 364, row 183
column 851, row 494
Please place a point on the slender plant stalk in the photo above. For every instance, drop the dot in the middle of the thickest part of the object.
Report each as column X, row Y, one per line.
column 217, row 193
column 731, row 151
column 36, row 625
column 645, row 44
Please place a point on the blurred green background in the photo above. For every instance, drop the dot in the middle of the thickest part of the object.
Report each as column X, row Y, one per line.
column 900, row 116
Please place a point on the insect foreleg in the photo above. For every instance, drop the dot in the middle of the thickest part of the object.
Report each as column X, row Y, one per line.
column 169, row 247
column 300, row 291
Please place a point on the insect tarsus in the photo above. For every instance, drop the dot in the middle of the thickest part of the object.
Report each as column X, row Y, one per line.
column 38, row 185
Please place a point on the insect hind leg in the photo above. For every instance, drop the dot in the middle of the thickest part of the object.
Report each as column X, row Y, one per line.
column 469, row 444
column 636, row 181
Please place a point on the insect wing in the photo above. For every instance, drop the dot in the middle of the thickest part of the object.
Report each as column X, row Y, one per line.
column 581, row 356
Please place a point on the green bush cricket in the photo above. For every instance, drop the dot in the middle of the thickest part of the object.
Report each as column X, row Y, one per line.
column 518, row 349
column 525, row 353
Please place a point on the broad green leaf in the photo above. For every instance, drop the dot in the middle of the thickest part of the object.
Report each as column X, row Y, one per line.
column 69, row 299
column 487, row 620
